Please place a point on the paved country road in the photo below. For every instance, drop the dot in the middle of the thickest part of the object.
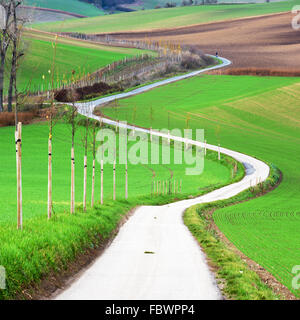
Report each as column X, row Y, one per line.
column 175, row 267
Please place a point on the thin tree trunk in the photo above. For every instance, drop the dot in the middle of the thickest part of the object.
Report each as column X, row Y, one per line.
column 2, row 63
column 19, row 177
column 93, row 184
column 11, row 84
column 72, row 181
column 152, row 187
column 114, row 181
column 50, row 178
column 94, row 163
column 73, row 163
column 85, row 166
column 126, row 181
column 84, row 183
column 13, row 75
column 16, row 101
column 17, row 160
column 102, row 168
column 4, row 44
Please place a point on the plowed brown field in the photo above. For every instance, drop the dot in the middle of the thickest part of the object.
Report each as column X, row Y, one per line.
column 259, row 42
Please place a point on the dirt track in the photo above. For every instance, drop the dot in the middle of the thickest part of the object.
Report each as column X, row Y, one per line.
column 262, row 42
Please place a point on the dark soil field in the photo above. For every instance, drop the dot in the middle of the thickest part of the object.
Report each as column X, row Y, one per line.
column 259, row 42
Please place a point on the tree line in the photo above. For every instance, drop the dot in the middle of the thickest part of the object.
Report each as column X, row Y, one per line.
column 107, row 4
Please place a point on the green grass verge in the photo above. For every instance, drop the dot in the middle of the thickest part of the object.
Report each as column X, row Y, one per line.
column 166, row 18
column 74, row 6
column 238, row 281
column 258, row 116
column 45, row 247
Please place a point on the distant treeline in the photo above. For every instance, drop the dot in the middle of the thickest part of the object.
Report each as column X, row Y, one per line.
column 108, row 4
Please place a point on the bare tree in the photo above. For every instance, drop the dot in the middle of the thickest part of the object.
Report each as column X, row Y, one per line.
column 17, row 53
column 4, row 44
column 10, row 34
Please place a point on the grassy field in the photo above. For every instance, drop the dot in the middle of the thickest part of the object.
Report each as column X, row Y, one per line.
column 166, row 18
column 239, row 282
column 74, row 6
column 35, row 173
column 259, row 116
column 44, row 246
column 82, row 57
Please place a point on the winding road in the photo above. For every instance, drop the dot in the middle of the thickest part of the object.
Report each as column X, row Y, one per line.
column 154, row 256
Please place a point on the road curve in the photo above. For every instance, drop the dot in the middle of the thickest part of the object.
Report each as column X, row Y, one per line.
column 154, row 256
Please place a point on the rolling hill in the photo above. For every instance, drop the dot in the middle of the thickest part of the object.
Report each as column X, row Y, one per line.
column 74, row 6
column 72, row 55
column 165, row 18
column 259, row 116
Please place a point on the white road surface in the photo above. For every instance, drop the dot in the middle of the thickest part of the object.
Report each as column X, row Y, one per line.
column 175, row 267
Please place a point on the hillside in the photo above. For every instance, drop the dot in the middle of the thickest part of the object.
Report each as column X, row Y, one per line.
column 151, row 4
column 72, row 56
column 258, row 116
column 248, row 43
column 74, row 6
column 166, row 18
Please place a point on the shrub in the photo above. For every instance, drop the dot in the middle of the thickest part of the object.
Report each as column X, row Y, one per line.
column 187, row 3
column 195, row 50
column 31, row 103
column 170, row 68
column 8, row 118
column 88, row 92
column 170, row 5
column 191, row 61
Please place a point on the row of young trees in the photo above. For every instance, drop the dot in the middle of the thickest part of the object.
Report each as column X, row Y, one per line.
column 10, row 50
